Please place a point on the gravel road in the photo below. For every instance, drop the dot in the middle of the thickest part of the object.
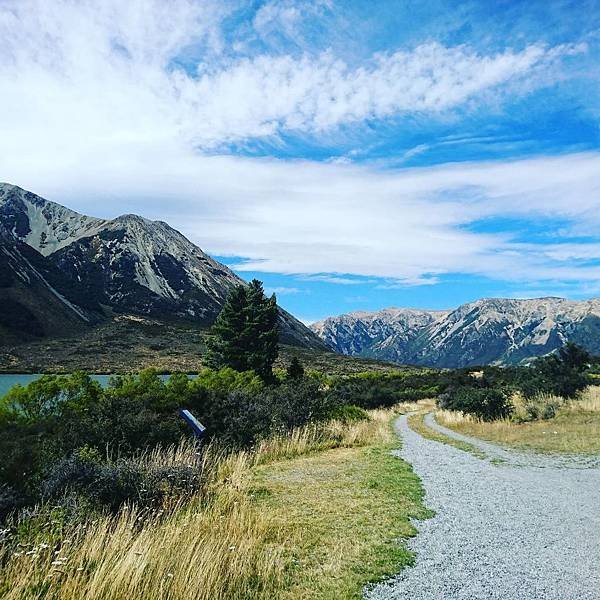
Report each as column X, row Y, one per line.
column 525, row 529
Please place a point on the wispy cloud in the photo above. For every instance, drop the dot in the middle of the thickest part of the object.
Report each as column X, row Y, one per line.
column 110, row 74
column 282, row 290
column 336, row 279
column 115, row 107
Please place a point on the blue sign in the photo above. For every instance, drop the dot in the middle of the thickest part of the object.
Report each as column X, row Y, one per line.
column 191, row 420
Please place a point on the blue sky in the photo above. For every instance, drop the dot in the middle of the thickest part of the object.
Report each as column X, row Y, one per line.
column 351, row 154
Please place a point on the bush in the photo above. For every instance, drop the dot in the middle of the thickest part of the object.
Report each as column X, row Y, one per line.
column 112, row 484
column 483, row 402
column 540, row 407
column 349, row 413
column 9, row 500
column 243, row 418
column 564, row 373
column 295, row 369
column 375, row 390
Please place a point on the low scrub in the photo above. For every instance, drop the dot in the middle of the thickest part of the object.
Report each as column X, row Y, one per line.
column 546, row 423
column 66, row 432
column 220, row 542
column 521, row 393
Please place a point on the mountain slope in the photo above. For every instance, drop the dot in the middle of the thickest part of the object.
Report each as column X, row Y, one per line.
column 128, row 264
column 386, row 334
column 489, row 331
column 36, row 299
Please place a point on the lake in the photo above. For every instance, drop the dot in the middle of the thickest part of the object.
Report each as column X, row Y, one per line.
column 7, row 381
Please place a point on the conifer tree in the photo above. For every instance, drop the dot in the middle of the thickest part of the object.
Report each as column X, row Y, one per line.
column 295, row 370
column 225, row 346
column 262, row 334
column 245, row 335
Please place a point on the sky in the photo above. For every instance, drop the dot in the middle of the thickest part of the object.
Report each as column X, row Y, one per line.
column 351, row 154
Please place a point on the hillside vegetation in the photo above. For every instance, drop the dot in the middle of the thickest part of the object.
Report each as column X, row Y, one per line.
column 131, row 343
column 316, row 513
column 573, row 428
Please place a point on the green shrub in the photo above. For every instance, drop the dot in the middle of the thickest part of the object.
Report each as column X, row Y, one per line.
column 374, row 390
column 226, row 380
column 483, row 402
column 112, row 484
column 349, row 413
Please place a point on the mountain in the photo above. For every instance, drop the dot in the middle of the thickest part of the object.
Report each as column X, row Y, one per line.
column 387, row 333
column 124, row 265
column 488, row 331
column 36, row 298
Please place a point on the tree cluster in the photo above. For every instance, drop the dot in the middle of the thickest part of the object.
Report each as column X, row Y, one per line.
column 245, row 335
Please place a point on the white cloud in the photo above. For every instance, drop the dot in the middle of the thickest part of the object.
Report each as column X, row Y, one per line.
column 332, row 221
column 281, row 290
column 77, row 76
column 285, row 17
column 94, row 112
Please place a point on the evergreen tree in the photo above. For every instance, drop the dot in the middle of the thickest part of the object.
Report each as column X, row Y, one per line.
column 225, row 345
column 564, row 373
column 245, row 335
column 295, row 370
column 262, row 335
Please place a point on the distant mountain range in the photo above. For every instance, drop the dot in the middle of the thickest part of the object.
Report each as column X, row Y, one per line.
column 488, row 331
column 61, row 272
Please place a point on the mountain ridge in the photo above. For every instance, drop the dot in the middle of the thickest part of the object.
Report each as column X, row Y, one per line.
column 127, row 264
column 488, row 330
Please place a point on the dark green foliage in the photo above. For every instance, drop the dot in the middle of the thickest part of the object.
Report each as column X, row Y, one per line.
column 564, row 373
column 487, row 403
column 262, row 332
column 113, row 483
column 349, row 413
column 245, row 335
column 227, row 346
column 53, row 431
column 373, row 390
column 484, row 392
column 295, row 370
column 246, row 417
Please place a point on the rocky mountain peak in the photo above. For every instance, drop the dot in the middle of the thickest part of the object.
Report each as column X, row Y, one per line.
column 42, row 224
column 129, row 264
column 489, row 330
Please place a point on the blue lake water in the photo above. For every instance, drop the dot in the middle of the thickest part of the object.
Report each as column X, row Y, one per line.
column 7, row 381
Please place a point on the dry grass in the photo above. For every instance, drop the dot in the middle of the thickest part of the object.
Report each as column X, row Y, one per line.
column 574, row 429
column 417, row 423
column 230, row 541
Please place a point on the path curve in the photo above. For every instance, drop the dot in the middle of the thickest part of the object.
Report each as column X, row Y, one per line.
column 513, row 531
column 518, row 458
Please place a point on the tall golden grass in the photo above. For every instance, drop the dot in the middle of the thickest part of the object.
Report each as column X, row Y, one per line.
column 587, row 401
column 218, row 546
column 575, row 428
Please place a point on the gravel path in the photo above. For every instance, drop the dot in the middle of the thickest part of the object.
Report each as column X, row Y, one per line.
column 520, row 530
column 515, row 458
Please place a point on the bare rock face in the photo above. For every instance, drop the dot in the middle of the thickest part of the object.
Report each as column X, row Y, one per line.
column 128, row 264
column 488, row 331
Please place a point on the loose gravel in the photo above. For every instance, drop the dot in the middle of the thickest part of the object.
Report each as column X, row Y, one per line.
column 525, row 529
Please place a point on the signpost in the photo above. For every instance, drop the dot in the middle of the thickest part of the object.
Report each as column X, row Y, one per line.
column 197, row 428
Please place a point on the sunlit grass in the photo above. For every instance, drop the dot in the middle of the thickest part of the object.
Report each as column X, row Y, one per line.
column 574, row 429
column 315, row 514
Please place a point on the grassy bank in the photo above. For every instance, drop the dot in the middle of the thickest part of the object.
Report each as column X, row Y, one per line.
column 129, row 343
column 417, row 423
column 574, row 429
column 316, row 514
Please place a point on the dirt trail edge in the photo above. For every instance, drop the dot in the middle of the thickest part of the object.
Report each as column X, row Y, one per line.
column 525, row 529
